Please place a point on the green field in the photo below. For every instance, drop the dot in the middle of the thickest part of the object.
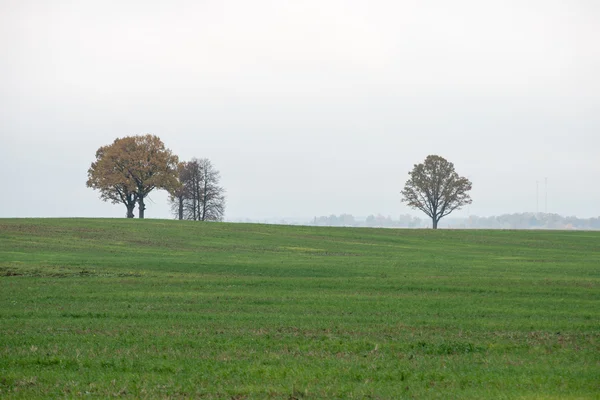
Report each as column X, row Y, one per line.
column 176, row 309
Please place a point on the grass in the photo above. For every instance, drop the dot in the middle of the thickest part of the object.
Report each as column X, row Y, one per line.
column 170, row 309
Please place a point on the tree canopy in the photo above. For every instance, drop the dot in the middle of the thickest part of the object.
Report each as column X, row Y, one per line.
column 127, row 170
column 435, row 188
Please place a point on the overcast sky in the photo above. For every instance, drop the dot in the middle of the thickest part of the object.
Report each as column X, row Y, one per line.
column 308, row 107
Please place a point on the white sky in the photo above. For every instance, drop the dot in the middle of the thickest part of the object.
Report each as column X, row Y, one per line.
column 308, row 107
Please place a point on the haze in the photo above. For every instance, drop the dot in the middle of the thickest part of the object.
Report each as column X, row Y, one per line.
column 306, row 107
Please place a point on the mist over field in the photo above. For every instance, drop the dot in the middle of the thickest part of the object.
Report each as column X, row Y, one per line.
column 506, row 221
column 308, row 108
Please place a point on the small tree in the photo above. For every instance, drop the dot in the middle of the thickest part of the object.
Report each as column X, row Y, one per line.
column 193, row 182
column 199, row 198
column 178, row 194
column 435, row 188
column 211, row 202
column 130, row 168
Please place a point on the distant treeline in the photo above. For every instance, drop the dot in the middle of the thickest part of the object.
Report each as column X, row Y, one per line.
column 374, row 221
column 505, row 221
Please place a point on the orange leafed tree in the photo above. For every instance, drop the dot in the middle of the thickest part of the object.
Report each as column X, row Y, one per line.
column 127, row 170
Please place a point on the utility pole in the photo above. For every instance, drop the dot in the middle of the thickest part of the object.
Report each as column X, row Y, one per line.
column 546, row 196
column 537, row 197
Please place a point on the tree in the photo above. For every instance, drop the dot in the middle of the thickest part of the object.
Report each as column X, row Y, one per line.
column 199, row 198
column 435, row 188
column 211, row 202
column 194, row 185
column 178, row 194
column 127, row 170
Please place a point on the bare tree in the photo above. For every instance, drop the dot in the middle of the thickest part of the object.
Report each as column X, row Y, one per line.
column 435, row 188
column 199, row 198
column 211, row 202
column 193, row 193
column 178, row 194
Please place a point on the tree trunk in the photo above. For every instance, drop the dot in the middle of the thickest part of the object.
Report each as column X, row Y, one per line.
column 205, row 198
column 180, row 208
column 194, row 202
column 199, row 197
column 142, row 207
column 130, row 208
column 194, row 209
column 435, row 223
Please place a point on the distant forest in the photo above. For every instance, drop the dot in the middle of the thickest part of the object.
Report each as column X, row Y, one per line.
column 506, row 221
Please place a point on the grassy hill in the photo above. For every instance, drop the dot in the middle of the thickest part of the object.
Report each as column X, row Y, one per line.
column 170, row 309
